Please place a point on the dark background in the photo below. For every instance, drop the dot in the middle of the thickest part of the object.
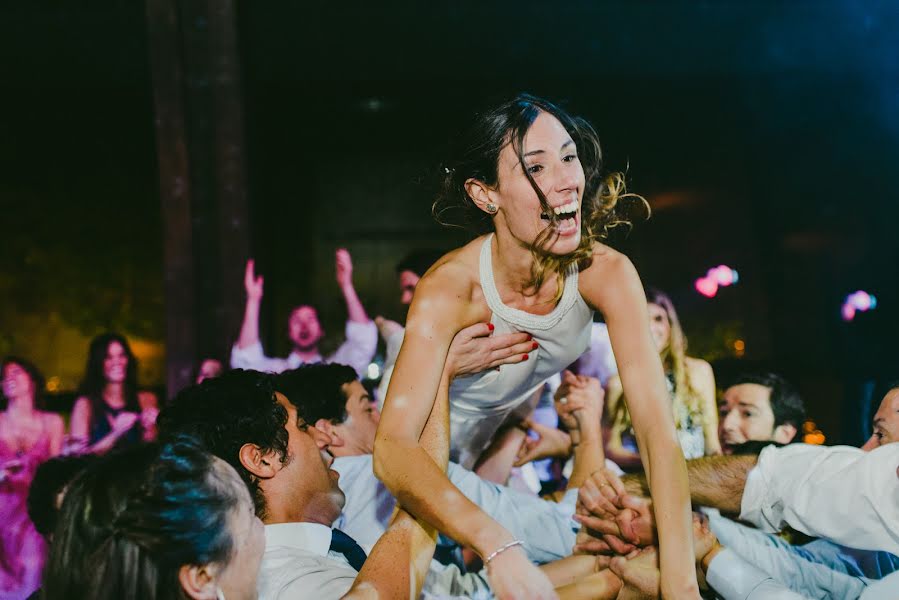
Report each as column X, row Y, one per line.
column 764, row 134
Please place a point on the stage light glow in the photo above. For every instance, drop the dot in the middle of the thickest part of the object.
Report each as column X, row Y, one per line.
column 373, row 371
column 856, row 302
column 715, row 279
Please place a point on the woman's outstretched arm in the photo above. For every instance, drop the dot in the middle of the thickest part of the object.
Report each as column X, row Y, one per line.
column 412, row 444
column 612, row 286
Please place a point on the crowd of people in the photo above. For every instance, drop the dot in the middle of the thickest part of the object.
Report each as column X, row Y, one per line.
column 514, row 447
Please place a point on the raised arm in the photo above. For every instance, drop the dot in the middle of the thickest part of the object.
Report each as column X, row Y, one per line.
column 612, row 286
column 249, row 330
column 412, row 445
column 344, row 268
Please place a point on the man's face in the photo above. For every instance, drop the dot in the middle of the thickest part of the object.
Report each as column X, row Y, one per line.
column 745, row 415
column 359, row 428
column 408, row 281
column 304, row 329
column 307, row 479
column 886, row 422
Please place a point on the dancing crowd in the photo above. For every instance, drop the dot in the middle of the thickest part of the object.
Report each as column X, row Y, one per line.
column 516, row 446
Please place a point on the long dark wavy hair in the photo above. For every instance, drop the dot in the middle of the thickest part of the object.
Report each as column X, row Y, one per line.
column 476, row 156
column 94, row 380
column 133, row 519
column 37, row 380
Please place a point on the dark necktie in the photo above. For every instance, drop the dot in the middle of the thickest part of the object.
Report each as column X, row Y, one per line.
column 344, row 544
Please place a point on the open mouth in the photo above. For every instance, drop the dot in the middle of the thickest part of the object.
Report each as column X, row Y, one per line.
column 566, row 211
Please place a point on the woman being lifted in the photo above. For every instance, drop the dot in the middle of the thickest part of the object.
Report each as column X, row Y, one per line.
column 532, row 174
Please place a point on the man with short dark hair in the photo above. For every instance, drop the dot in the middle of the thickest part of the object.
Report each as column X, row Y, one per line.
column 759, row 407
column 283, row 460
column 304, row 328
column 332, row 398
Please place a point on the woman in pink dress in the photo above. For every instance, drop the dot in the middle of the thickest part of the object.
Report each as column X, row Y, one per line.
column 28, row 437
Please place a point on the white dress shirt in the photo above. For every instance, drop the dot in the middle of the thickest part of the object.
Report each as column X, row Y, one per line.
column 840, row 493
column 807, row 572
column 546, row 528
column 734, row 578
column 298, row 564
column 356, row 351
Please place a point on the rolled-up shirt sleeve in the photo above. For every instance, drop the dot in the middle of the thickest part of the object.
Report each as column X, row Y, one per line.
column 252, row 357
column 840, row 493
column 359, row 347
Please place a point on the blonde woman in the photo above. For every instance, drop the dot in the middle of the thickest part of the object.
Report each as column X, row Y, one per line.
column 691, row 387
column 531, row 174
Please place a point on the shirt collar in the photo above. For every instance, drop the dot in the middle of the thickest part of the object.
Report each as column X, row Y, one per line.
column 294, row 360
column 311, row 537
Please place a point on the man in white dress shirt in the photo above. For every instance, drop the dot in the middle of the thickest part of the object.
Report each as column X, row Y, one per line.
column 842, row 494
column 241, row 419
column 331, row 397
column 305, row 330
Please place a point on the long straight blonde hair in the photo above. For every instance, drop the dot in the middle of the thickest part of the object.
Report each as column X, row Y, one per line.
column 674, row 361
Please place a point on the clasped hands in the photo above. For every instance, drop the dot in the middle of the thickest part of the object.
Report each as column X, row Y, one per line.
column 621, row 525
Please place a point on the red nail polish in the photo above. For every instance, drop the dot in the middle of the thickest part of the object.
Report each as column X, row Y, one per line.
column 530, row 337
column 534, row 347
column 490, row 325
column 524, row 357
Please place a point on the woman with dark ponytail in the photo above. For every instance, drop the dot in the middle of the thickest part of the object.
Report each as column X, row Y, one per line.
column 156, row 522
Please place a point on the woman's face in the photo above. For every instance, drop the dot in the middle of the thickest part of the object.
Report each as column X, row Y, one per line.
column 16, row 381
column 659, row 326
column 115, row 365
column 550, row 156
column 237, row 579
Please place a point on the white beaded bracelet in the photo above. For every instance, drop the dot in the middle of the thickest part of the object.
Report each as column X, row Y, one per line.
column 502, row 549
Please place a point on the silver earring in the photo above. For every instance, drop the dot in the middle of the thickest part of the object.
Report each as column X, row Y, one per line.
column 491, row 208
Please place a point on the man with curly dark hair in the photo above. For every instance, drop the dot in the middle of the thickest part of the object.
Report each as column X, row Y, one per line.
column 240, row 418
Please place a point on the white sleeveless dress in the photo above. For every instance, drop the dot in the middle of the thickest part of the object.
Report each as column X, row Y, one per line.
column 480, row 403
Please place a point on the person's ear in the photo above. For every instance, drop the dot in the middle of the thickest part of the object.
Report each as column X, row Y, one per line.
column 198, row 582
column 329, row 429
column 481, row 194
column 259, row 463
column 784, row 434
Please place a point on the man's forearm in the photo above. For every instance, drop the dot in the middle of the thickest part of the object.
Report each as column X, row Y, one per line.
column 715, row 481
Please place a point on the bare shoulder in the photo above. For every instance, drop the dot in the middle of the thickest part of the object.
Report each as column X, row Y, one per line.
column 449, row 287
column 607, row 261
column 698, row 367
column 54, row 421
column 82, row 403
column 609, row 278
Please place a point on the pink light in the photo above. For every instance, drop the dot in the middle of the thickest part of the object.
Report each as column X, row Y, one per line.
column 707, row 286
column 860, row 300
column 848, row 312
column 723, row 274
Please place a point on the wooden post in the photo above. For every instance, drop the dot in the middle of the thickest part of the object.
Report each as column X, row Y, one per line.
column 199, row 137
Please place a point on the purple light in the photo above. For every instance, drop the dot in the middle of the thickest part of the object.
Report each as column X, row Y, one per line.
column 859, row 301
